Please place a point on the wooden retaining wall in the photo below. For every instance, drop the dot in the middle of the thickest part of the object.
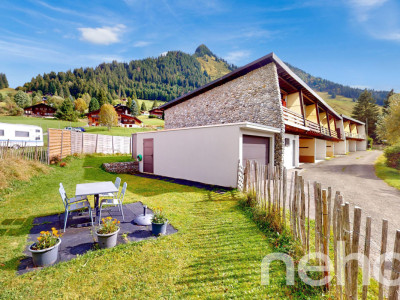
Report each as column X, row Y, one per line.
column 62, row 143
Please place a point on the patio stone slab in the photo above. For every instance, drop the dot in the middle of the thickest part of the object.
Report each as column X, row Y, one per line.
column 79, row 236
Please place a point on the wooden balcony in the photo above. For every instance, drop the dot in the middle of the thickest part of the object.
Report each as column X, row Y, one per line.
column 313, row 126
column 355, row 135
column 292, row 118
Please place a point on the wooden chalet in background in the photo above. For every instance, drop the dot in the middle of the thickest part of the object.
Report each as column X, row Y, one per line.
column 125, row 119
column 40, row 110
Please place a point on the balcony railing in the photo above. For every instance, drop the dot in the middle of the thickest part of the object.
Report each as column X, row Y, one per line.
column 313, row 126
column 325, row 130
column 292, row 117
column 334, row 133
column 354, row 135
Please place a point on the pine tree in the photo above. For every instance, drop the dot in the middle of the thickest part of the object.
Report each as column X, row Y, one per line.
column 93, row 105
column 134, row 108
column 386, row 102
column 3, row 81
column 102, row 97
column 155, row 104
column 367, row 111
column 66, row 111
column 143, row 107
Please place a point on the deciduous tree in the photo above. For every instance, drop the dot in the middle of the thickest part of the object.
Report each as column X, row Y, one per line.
column 388, row 128
column 108, row 116
column 22, row 99
column 80, row 105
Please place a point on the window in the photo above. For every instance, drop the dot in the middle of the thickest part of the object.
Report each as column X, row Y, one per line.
column 37, row 138
column 21, row 133
column 1, row 132
column 37, row 130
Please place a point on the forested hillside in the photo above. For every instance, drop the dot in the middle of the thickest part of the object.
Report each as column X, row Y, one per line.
column 163, row 78
column 322, row 85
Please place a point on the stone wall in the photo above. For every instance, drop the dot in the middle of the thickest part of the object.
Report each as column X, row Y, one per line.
column 254, row 97
column 130, row 167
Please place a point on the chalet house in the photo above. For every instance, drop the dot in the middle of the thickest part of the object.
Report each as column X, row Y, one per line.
column 125, row 119
column 262, row 111
column 40, row 110
column 156, row 112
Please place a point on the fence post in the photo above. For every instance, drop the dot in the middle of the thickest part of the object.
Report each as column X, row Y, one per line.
column 366, row 266
column 325, row 235
column 284, row 187
column 347, row 247
column 36, row 153
column 383, row 257
column 308, row 219
column 354, row 245
column 97, row 138
column 394, row 289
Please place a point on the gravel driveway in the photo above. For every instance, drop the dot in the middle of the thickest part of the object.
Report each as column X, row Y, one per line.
column 354, row 176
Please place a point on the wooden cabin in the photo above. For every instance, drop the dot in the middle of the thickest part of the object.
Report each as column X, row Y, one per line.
column 124, row 119
column 40, row 110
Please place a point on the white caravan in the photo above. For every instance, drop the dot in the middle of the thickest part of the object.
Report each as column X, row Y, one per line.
column 20, row 135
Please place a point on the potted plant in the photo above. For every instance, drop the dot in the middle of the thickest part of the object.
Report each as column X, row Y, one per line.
column 158, row 222
column 45, row 250
column 107, row 233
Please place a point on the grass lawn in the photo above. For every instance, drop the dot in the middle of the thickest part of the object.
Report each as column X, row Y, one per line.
column 215, row 254
column 390, row 175
column 44, row 123
column 120, row 131
column 151, row 121
column 340, row 104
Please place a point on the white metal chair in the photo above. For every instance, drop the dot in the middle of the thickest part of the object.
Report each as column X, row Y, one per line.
column 114, row 202
column 73, row 204
column 73, row 199
column 117, row 183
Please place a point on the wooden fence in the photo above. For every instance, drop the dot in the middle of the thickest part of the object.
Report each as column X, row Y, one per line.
column 290, row 202
column 24, row 152
column 62, row 143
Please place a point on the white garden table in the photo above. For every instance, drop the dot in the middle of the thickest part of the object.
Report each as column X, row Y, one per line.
column 95, row 188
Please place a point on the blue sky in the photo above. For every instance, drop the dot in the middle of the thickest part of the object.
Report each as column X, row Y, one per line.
column 354, row 42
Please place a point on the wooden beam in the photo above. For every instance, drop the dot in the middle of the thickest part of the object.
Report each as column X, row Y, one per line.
column 302, row 107
column 289, row 84
column 329, row 121
column 319, row 122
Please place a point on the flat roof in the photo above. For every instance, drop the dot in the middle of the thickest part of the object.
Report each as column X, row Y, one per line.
column 24, row 125
column 271, row 57
column 351, row 119
column 247, row 125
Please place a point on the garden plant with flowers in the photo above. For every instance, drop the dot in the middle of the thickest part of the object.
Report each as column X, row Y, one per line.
column 159, row 216
column 47, row 239
column 108, row 225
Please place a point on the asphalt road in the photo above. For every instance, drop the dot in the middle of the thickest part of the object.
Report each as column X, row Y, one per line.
column 354, row 176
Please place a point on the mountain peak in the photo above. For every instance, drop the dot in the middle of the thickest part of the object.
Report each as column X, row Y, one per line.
column 203, row 50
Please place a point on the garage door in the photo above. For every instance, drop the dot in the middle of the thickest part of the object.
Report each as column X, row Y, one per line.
column 148, row 152
column 256, row 148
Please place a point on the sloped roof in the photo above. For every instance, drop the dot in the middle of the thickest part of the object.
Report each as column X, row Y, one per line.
column 351, row 119
column 283, row 70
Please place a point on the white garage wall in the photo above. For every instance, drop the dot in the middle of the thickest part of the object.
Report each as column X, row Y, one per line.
column 352, row 145
column 320, row 149
column 361, row 145
column 340, row 148
column 288, row 151
column 207, row 154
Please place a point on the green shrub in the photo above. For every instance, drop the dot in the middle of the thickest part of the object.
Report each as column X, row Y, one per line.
column 392, row 155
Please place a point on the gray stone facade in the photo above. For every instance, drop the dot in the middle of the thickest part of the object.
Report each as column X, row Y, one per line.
column 254, row 97
column 130, row 167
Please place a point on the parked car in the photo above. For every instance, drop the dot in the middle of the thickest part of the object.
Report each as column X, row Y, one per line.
column 20, row 135
column 77, row 129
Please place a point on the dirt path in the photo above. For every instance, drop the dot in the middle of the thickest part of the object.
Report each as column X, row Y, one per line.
column 354, row 176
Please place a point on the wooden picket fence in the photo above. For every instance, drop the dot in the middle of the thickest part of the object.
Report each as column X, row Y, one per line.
column 62, row 143
column 289, row 201
column 37, row 153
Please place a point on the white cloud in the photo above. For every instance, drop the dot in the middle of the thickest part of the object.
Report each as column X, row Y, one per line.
column 367, row 3
column 237, row 56
column 102, row 35
column 139, row 44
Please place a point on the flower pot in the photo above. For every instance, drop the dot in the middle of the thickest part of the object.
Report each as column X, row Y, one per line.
column 45, row 257
column 108, row 240
column 158, row 229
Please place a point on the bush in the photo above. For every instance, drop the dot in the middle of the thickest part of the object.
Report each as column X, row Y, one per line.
column 370, row 142
column 392, row 155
